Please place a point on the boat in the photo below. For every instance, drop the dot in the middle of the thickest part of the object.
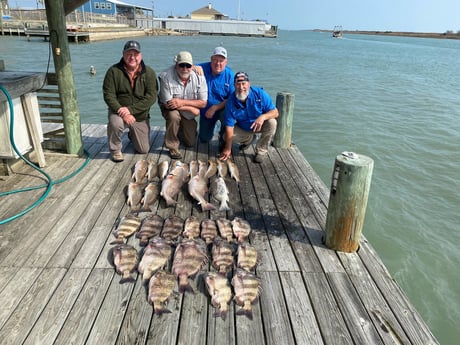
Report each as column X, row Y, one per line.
column 337, row 32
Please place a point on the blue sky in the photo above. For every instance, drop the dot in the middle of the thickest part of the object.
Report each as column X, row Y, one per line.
column 382, row 15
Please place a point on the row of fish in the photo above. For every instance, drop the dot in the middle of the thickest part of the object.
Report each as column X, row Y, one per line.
column 173, row 227
column 143, row 192
column 147, row 170
column 189, row 258
column 190, row 255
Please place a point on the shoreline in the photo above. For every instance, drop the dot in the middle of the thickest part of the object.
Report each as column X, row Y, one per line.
column 445, row 35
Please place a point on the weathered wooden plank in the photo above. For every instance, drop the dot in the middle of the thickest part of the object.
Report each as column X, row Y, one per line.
column 403, row 310
column 277, row 325
column 12, row 294
column 301, row 314
column 282, row 251
column 50, row 321
column 108, row 322
column 385, row 323
column 355, row 314
column 80, row 320
column 21, row 320
column 330, row 320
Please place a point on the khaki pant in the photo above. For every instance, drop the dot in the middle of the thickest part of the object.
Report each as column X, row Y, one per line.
column 139, row 134
column 178, row 129
column 266, row 134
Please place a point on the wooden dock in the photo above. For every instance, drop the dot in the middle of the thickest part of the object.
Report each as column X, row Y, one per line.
column 58, row 285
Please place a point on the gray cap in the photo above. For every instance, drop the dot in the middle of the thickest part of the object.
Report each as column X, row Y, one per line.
column 220, row 51
column 132, row 45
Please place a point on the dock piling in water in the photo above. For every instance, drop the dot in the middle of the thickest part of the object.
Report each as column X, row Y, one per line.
column 349, row 192
column 285, row 106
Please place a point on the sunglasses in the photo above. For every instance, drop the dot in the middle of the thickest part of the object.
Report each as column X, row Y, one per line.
column 185, row 65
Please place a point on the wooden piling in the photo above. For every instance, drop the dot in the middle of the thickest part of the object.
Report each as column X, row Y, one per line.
column 285, row 106
column 349, row 192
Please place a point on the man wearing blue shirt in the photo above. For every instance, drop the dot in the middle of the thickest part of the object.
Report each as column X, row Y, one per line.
column 219, row 78
column 249, row 110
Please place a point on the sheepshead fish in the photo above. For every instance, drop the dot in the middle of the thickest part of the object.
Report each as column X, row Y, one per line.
column 172, row 184
column 128, row 225
column 233, row 170
column 152, row 170
column 193, row 168
column 156, row 255
column 221, row 294
column 151, row 194
column 247, row 288
column 161, row 287
column 163, row 168
column 151, row 227
column 172, row 228
column 225, row 229
column 140, row 171
column 220, row 193
column 189, row 258
column 197, row 188
column 191, row 227
column 134, row 195
column 212, row 168
column 247, row 257
column 208, row 230
column 222, row 168
column 241, row 229
column 125, row 260
column 222, row 255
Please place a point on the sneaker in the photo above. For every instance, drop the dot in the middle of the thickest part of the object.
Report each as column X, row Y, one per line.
column 175, row 154
column 117, row 157
column 259, row 158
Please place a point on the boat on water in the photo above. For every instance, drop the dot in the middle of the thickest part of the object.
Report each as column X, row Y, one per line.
column 337, row 32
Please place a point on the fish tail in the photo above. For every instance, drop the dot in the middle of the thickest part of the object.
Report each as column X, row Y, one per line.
column 246, row 312
column 143, row 242
column 221, row 313
column 119, row 240
column 207, row 206
column 160, row 310
column 224, row 206
column 184, row 285
column 127, row 279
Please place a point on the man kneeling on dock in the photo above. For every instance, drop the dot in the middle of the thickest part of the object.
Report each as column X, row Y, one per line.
column 249, row 110
column 130, row 88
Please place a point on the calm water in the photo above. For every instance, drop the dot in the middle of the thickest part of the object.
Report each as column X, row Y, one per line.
column 396, row 100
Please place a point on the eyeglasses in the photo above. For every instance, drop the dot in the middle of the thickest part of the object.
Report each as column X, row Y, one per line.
column 185, row 65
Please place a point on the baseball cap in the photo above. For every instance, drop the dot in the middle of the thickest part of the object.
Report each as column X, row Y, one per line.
column 132, row 45
column 184, row 57
column 220, row 51
column 241, row 76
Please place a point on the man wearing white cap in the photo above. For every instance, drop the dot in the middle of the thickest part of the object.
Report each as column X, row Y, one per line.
column 219, row 78
column 182, row 94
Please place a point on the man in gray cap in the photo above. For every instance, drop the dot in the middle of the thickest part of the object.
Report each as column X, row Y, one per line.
column 182, row 94
column 219, row 78
column 130, row 88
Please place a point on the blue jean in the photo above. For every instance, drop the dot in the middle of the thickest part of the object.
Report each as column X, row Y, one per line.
column 207, row 127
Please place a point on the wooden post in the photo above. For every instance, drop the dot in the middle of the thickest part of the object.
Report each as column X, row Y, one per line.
column 350, row 186
column 61, row 56
column 285, row 106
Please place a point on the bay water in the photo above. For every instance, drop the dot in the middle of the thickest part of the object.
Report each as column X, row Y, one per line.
column 394, row 99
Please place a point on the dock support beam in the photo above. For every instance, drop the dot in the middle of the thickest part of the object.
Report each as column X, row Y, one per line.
column 285, row 106
column 351, row 181
column 61, row 56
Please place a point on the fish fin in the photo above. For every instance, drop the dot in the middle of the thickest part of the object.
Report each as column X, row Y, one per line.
column 246, row 312
column 207, row 206
column 221, row 313
column 161, row 310
column 127, row 280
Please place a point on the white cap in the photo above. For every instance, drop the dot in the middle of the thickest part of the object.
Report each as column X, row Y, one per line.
column 220, row 51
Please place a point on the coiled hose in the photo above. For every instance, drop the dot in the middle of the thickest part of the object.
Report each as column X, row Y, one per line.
column 47, row 185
